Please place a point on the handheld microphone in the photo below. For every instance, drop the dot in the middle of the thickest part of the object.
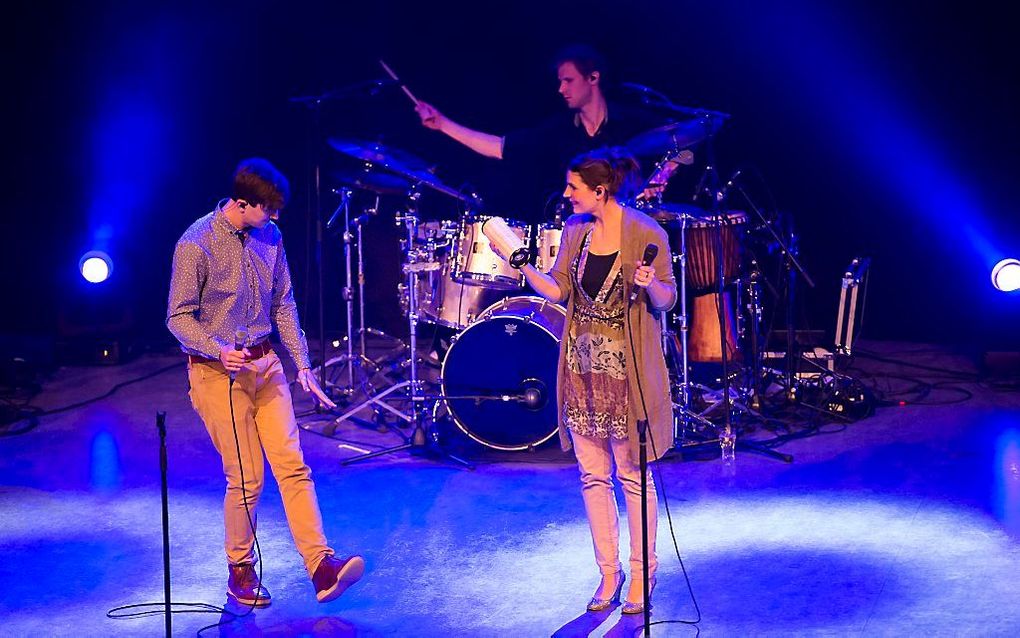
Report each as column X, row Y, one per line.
column 240, row 337
column 651, row 251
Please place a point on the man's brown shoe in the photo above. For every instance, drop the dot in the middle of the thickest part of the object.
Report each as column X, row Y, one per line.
column 243, row 586
column 333, row 576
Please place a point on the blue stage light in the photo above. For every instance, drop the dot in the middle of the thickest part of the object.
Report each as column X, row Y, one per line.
column 95, row 266
column 1006, row 275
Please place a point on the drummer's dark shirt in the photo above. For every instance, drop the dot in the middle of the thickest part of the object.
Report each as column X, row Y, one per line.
column 539, row 156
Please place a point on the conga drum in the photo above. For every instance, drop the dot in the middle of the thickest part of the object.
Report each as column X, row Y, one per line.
column 704, row 252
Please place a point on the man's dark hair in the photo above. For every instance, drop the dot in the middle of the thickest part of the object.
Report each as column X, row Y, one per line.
column 585, row 58
column 258, row 182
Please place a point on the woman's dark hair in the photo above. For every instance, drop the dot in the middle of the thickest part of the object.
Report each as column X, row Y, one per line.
column 615, row 169
column 258, row 182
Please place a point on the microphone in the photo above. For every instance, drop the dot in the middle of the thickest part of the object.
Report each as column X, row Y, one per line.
column 533, row 394
column 240, row 336
column 721, row 195
column 651, row 251
column 700, row 188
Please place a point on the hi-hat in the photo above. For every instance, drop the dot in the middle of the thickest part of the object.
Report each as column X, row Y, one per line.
column 372, row 181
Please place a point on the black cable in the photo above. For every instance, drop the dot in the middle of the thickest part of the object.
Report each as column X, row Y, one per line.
column 27, row 413
column 36, row 413
column 963, row 375
column 205, row 608
column 662, row 484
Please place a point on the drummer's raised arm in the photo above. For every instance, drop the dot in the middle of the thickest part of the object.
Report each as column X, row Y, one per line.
column 479, row 142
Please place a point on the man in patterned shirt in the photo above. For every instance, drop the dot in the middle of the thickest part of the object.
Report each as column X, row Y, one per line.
column 231, row 285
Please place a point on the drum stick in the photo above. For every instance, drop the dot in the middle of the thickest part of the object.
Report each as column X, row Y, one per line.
column 393, row 75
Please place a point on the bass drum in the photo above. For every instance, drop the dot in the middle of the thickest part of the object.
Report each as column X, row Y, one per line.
column 512, row 350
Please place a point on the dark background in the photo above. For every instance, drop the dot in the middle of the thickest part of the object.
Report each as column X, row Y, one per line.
column 885, row 131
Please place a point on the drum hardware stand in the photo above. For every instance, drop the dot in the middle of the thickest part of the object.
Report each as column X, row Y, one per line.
column 420, row 439
column 728, row 439
column 683, row 416
column 793, row 268
column 354, row 362
column 314, row 104
column 754, row 311
column 681, row 421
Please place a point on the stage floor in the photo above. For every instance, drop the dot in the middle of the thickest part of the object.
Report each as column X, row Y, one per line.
column 903, row 524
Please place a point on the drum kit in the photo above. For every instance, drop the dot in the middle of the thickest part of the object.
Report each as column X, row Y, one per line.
column 497, row 378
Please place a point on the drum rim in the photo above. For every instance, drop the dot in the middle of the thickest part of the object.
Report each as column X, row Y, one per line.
column 732, row 217
column 474, row 280
column 482, row 318
column 481, row 219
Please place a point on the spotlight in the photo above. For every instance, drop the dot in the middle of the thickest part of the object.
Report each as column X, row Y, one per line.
column 95, row 266
column 1006, row 275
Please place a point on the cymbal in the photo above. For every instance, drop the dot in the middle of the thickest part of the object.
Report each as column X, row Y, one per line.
column 670, row 214
column 372, row 181
column 378, row 154
column 674, row 136
column 401, row 163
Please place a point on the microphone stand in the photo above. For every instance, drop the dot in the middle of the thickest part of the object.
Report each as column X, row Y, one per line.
column 793, row 268
column 727, row 439
column 348, row 291
column 314, row 103
column 422, row 439
column 642, row 427
column 167, row 614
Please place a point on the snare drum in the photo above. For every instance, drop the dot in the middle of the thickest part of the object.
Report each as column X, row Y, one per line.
column 476, row 264
column 547, row 241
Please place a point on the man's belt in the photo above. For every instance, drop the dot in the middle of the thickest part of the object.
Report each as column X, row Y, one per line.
column 257, row 351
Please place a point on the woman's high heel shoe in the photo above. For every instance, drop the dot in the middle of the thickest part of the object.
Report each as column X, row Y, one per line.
column 639, row 608
column 602, row 604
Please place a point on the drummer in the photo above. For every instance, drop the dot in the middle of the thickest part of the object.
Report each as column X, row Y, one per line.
column 545, row 149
